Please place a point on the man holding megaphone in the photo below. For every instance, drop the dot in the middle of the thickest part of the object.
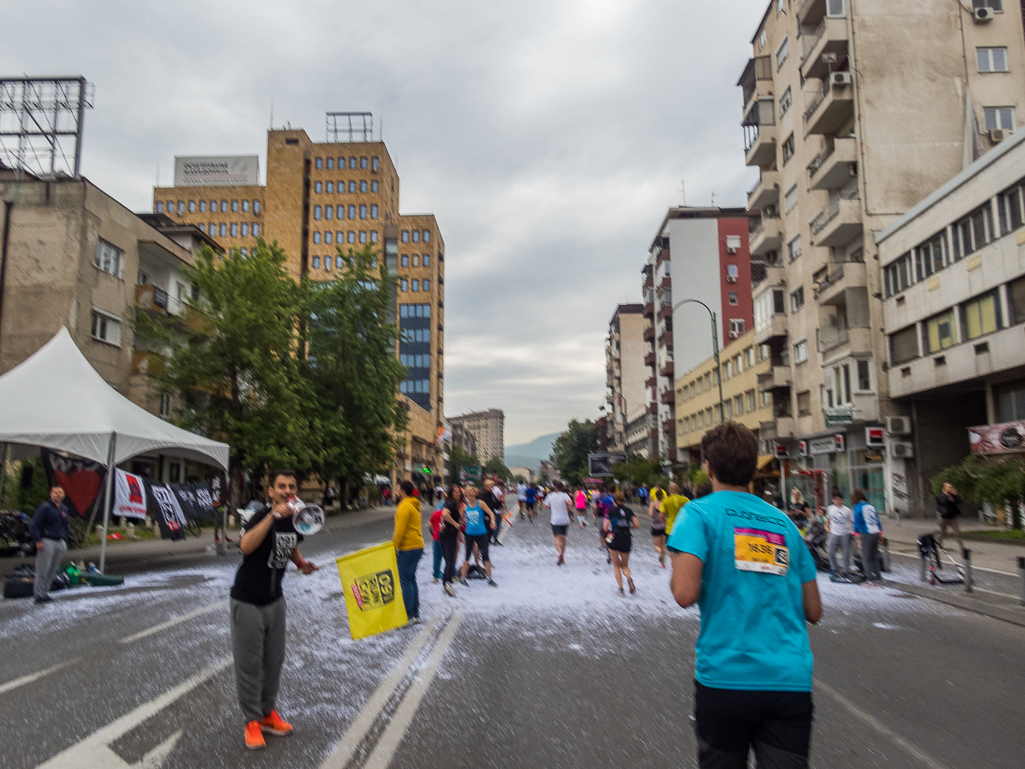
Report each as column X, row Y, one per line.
column 269, row 541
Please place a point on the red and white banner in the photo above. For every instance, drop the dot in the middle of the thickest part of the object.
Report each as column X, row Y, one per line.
column 129, row 495
column 1006, row 438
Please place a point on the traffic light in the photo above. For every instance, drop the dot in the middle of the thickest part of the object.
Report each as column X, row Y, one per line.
column 427, row 471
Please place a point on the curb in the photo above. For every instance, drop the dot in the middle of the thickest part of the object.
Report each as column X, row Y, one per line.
column 974, row 603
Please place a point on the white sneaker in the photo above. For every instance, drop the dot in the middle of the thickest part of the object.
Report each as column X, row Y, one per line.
column 449, row 591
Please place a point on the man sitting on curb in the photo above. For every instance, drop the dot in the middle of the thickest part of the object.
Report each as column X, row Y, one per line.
column 745, row 564
column 269, row 541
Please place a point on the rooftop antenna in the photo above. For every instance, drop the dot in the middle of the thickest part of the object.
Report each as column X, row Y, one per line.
column 713, row 198
column 683, row 191
column 271, row 114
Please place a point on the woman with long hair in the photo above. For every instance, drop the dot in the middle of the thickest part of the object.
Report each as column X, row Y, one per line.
column 869, row 529
column 617, row 524
column 479, row 517
column 451, row 528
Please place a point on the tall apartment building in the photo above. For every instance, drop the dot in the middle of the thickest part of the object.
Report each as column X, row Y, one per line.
column 954, row 312
column 625, row 374
column 320, row 197
column 708, row 249
column 853, row 112
column 487, row 429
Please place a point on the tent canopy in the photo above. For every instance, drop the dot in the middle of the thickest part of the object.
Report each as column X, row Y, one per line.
column 57, row 400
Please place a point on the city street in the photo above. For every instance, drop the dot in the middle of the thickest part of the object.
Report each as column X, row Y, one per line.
column 549, row 669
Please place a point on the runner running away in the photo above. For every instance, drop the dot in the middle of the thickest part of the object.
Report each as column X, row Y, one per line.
column 602, row 507
column 559, row 503
column 521, row 499
column 451, row 533
column 580, row 503
column 531, row 502
column 477, row 515
column 658, row 531
column 617, row 524
column 671, row 506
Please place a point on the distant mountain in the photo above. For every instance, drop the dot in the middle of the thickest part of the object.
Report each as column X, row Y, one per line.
column 530, row 454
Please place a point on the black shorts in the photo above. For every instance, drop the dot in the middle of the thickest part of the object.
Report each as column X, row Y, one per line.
column 730, row 722
column 481, row 540
column 530, row 505
column 658, row 532
column 621, row 542
column 559, row 531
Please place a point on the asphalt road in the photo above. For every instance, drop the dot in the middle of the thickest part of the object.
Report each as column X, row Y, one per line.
column 551, row 668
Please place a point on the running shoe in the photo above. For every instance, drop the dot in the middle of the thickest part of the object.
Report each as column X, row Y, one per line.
column 449, row 591
column 492, row 582
column 434, row 581
column 273, row 724
column 254, row 736
column 561, row 561
column 620, row 593
column 630, row 582
column 463, row 582
column 414, row 621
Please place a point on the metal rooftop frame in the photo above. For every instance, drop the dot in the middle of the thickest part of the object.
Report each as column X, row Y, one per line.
column 357, row 126
column 42, row 123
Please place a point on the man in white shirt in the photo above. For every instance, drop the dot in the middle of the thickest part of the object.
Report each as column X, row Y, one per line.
column 521, row 498
column 559, row 503
column 840, row 525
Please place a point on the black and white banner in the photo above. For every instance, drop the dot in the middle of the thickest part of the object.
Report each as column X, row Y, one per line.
column 129, row 495
column 164, row 507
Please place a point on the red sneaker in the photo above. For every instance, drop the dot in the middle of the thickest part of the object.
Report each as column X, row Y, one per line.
column 273, row 724
column 254, row 736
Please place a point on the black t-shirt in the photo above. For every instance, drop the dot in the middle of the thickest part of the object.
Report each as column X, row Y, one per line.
column 489, row 499
column 447, row 529
column 258, row 579
column 620, row 520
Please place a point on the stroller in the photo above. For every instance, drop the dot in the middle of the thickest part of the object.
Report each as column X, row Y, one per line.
column 930, row 550
column 815, row 539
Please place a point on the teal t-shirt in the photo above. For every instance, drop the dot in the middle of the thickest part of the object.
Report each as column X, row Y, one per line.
column 753, row 633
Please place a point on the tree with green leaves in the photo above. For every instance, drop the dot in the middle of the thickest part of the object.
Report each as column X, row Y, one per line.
column 234, row 361
column 569, row 453
column 496, row 466
column 353, row 371
column 461, row 458
column 998, row 480
column 638, row 470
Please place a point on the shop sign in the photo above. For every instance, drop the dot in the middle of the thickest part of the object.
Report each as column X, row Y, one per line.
column 839, row 415
column 874, row 458
column 875, row 437
column 819, row 446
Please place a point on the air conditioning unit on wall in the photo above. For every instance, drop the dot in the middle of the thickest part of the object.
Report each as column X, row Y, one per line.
column 734, row 335
column 898, row 425
column 840, row 79
column 997, row 135
column 903, row 450
column 982, row 15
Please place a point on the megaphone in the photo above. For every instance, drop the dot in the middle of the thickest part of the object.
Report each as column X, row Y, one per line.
column 307, row 519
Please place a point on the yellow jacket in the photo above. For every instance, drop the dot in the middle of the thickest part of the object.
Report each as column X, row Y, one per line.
column 408, row 526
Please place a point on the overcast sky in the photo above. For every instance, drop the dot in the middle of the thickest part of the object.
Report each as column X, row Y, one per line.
column 547, row 136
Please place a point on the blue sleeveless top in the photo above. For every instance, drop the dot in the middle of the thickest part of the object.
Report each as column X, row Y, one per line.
column 475, row 520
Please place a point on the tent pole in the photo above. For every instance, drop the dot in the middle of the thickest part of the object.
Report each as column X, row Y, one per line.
column 108, row 498
column 3, row 471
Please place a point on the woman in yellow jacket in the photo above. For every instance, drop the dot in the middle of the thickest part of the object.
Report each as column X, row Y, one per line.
column 409, row 547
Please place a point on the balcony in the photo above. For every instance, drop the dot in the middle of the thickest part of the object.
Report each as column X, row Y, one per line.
column 811, row 12
column 649, row 359
column 756, row 79
column 831, row 108
column 152, row 299
column 777, row 378
column 839, row 222
column 765, row 236
column 648, row 281
column 834, row 167
column 759, row 144
column 780, row 428
column 147, row 363
column 830, row 38
column 777, row 329
column 665, row 313
column 668, row 425
column 666, row 340
column 666, row 371
column 765, row 193
column 668, row 397
column 836, row 342
column 652, row 408
column 649, row 334
column 649, row 382
column 838, row 280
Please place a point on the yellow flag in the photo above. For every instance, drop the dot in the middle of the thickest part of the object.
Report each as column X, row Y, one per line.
column 373, row 596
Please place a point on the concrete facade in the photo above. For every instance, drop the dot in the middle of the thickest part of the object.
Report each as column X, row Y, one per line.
column 320, row 200
column 854, row 110
column 488, row 430
column 625, row 375
column 953, row 313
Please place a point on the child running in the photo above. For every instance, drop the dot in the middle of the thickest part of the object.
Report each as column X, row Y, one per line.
column 478, row 516
column 617, row 524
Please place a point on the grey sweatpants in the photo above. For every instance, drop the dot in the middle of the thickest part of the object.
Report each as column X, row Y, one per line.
column 258, row 646
column 48, row 563
column 843, row 541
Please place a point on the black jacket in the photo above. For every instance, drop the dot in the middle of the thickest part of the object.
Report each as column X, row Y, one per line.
column 50, row 522
column 948, row 507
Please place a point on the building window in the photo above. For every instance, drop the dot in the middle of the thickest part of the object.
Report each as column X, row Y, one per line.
column 797, row 299
column 362, row 236
column 732, row 272
column 181, row 206
column 316, row 238
column 904, row 345
column 405, row 260
column 864, row 375
column 973, row 231
column 404, row 236
column 427, row 260
column 234, row 229
column 316, row 212
column 160, row 207
column 997, row 6
column 202, row 227
column 801, row 351
column 727, row 370
column 363, row 185
column 736, row 327
column 256, row 229
column 426, row 284
column 373, row 212
column 362, row 162
column 318, row 163
column 375, row 163
column 165, row 405
column 245, row 206
column 106, row 328
column 939, row 332
column 318, row 187
column 316, row 262
column 980, row 316
column 341, row 212
column 1010, row 208
column 794, row 248
column 416, row 284
column 328, row 237
column 788, row 149
column 999, row 117
column 327, row 263
column 329, row 212
column 782, row 52
column 404, row 284
column 766, row 399
column 790, row 199
column 192, row 206
column 416, row 237
column 373, row 236
column 222, row 230
column 352, row 186
column 416, row 260
column 991, row 59
column 234, row 206
column 785, row 101
column 931, row 256
column 244, row 253
column 212, row 229
column 804, row 403
column 752, row 402
column 1016, row 299
column 224, row 206
column 329, row 187
column 1010, row 400
column 733, row 299
column 352, row 212
column 256, row 206
column 245, row 229
column 351, row 236
column 202, row 206
column 109, row 258
column 898, row 275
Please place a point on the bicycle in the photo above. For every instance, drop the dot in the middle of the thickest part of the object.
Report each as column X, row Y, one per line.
column 14, row 534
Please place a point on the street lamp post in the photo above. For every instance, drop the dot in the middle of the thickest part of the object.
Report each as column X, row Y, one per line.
column 715, row 350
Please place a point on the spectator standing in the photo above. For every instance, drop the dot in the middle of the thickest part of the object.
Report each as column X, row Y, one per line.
column 869, row 529
column 408, row 539
column 50, row 531
column 840, row 525
column 269, row 541
column 437, row 550
column 747, row 567
column 451, row 532
column 948, row 508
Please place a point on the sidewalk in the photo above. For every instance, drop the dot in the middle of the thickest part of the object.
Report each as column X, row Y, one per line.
column 126, row 556
column 993, row 556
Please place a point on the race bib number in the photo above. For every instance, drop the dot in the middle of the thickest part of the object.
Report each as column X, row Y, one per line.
column 762, row 551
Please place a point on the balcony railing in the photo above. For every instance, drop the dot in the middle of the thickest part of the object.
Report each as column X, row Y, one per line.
column 830, row 212
column 811, row 40
column 830, row 339
column 832, row 278
column 820, row 160
column 816, row 100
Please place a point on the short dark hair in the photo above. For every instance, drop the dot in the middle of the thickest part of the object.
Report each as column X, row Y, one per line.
column 407, row 488
column 731, row 451
column 288, row 473
column 837, row 493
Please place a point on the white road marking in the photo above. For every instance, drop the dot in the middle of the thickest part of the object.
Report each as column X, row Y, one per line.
column 93, row 752
column 389, row 742
column 358, row 728
column 34, row 676
column 880, row 727
column 914, row 555
column 172, row 622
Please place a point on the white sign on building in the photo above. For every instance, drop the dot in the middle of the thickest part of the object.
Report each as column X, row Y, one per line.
column 217, row 171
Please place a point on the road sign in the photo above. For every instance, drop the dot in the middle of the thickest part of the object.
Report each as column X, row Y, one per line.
column 470, row 473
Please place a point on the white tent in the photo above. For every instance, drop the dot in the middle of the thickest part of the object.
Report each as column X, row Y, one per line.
column 57, row 400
